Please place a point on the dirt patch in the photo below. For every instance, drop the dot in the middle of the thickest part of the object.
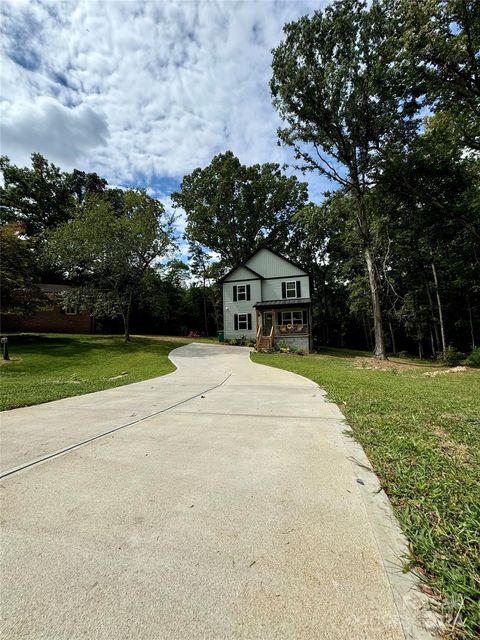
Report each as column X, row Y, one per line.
column 454, row 449
column 443, row 371
column 386, row 365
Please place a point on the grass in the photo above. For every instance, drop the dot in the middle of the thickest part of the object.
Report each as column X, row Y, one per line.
column 420, row 427
column 46, row 367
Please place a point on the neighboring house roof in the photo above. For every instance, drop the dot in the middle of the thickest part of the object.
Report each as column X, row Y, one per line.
column 54, row 288
column 244, row 264
column 287, row 302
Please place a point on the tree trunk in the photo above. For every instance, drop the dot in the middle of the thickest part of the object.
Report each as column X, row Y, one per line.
column 392, row 335
column 379, row 350
column 472, row 333
column 205, row 316
column 434, row 318
column 440, row 311
column 434, row 351
column 367, row 335
column 126, row 318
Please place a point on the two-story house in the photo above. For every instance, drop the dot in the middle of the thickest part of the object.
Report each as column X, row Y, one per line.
column 267, row 299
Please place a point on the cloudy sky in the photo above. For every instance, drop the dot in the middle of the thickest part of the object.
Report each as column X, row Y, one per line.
column 141, row 92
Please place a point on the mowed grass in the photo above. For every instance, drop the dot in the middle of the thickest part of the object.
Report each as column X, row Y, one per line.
column 46, row 367
column 420, row 427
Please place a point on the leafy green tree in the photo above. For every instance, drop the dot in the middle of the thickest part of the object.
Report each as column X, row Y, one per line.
column 339, row 92
column 433, row 229
column 17, row 271
column 110, row 250
column 43, row 196
column 233, row 209
column 440, row 42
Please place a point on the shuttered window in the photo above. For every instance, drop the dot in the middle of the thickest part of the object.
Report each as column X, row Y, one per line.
column 241, row 292
column 292, row 289
column 242, row 321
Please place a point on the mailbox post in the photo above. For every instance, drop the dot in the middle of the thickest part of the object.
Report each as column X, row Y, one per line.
column 4, row 342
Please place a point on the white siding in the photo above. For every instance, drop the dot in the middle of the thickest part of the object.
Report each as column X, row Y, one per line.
column 272, row 289
column 269, row 265
column 274, row 270
column 230, row 308
column 240, row 274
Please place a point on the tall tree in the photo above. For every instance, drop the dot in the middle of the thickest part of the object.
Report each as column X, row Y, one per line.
column 233, row 209
column 337, row 88
column 110, row 250
column 17, row 271
column 43, row 196
column 441, row 51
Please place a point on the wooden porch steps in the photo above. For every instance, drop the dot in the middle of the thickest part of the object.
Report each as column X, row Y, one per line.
column 263, row 343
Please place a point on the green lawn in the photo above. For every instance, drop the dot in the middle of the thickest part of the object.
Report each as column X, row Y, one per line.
column 47, row 367
column 420, row 427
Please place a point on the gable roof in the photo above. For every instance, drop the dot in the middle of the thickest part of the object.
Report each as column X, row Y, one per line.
column 244, row 264
column 239, row 266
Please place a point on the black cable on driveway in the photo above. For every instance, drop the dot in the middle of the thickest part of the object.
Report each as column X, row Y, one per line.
column 71, row 447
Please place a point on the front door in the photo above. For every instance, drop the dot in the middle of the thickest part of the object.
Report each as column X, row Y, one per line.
column 267, row 322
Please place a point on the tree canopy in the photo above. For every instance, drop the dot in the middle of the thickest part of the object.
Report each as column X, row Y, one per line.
column 109, row 250
column 233, row 209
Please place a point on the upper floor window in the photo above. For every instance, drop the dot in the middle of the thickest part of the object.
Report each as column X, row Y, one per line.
column 241, row 292
column 291, row 289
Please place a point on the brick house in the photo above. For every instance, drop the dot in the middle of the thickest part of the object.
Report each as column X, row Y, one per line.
column 50, row 318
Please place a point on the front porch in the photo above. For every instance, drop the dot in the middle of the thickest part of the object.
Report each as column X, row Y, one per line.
column 283, row 321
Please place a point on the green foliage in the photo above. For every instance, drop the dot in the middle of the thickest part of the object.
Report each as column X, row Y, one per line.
column 473, row 360
column 233, row 209
column 440, row 42
column 283, row 347
column 110, row 250
column 419, row 429
column 242, row 341
column 452, row 357
column 43, row 196
column 18, row 290
column 338, row 88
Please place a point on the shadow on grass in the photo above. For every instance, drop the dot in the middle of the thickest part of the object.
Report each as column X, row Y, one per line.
column 76, row 345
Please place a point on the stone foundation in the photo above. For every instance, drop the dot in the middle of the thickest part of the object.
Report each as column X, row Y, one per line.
column 299, row 342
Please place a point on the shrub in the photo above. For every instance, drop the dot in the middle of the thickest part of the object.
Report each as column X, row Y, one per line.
column 452, row 357
column 473, row 360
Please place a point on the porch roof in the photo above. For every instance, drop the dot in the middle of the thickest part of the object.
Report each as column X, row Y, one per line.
column 286, row 302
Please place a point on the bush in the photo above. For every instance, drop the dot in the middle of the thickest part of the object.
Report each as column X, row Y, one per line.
column 452, row 357
column 283, row 347
column 239, row 342
column 473, row 360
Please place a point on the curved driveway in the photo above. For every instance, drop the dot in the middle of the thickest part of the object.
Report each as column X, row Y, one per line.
column 229, row 508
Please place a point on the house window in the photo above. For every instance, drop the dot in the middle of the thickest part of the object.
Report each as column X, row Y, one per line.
column 241, row 292
column 292, row 317
column 71, row 310
column 291, row 289
column 242, row 321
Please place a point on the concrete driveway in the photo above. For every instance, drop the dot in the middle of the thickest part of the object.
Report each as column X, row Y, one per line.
column 232, row 506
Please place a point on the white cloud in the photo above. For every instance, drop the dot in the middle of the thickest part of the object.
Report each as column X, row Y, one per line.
column 140, row 91
column 60, row 133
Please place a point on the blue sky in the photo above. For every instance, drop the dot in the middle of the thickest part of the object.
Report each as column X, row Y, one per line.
column 142, row 92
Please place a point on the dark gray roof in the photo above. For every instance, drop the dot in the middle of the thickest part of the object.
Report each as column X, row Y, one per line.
column 54, row 288
column 287, row 302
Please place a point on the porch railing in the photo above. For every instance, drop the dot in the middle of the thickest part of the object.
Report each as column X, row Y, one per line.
column 259, row 336
column 291, row 329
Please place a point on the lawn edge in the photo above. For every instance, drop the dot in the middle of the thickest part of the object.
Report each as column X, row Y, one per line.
column 419, row 614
